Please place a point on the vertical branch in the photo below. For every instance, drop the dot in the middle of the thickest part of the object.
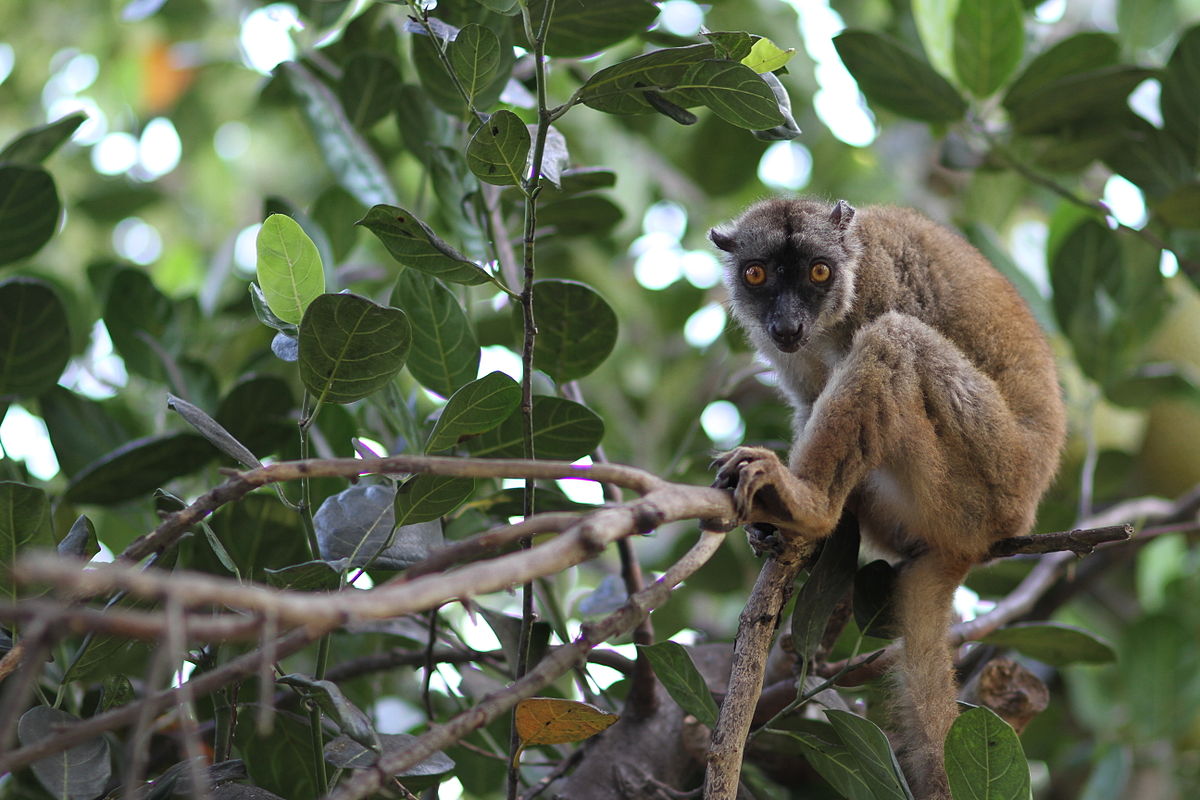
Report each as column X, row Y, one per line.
column 531, row 189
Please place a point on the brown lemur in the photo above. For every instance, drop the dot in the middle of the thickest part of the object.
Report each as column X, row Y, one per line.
column 926, row 403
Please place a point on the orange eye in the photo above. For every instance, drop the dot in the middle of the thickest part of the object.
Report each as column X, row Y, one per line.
column 754, row 274
column 819, row 272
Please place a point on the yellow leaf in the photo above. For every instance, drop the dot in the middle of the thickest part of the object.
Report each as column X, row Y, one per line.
column 548, row 720
column 765, row 56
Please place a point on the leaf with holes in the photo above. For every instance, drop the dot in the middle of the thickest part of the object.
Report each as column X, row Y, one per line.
column 414, row 244
column 350, row 347
column 474, row 409
column 445, row 353
column 576, row 329
column 562, row 430
column 35, row 340
column 896, row 79
column 475, row 55
column 289, row 267
column 984, row 758
column 29, row 210
column 498, row 150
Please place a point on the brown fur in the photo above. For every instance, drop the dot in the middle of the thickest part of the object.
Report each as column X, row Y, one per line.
column 926, row 402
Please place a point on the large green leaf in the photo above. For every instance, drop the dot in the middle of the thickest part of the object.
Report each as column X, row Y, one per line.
column 414, row 244
column 24, row 522
column 350, row 347
column 256, row 412
column 29, row 210
column 1095, row 96
column 37, row 144
column 984, row 759
column 258, row 533
column 827, row 585
column 621, row 88
column 576, row 329
column 445, row 352
column 35, row 339
column 897, row 79
column 1082, row 52
column 1143, row 24
column 1157, row 657
column 735, row 93
column 833, row 761
column 349, row 156
column 498, row 150
column 79, row 773
column 369, row 89
column 1054, row 643
column 675, row 669
column 81, row 429
column 582, row 27
column 477, row 407
column 989, row 38
column 935, row 26
column 1181, row 112
column 289, row 267
column 870, row 748
column 562, row 430
column 139, row 467
column 281, row 760
column 474, row 54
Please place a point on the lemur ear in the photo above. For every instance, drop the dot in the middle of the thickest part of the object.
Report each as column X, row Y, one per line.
column 722, row 240
column 841, row 215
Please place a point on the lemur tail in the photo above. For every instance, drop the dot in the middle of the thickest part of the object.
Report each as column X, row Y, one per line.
column 927, row 703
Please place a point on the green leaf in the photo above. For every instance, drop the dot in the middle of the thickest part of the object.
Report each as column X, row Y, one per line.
column 1054, row 643
column 896, row 79
column 142, row 321
column 1157, row 654
column 935, row 25
column 498, row 150
column 414, row 244
column 831, row 759
column 1109, row 779
column 620, row 89
column 336, row 211
column 583, row 27
column 212, row 430
column 29, row 210
column 139, row 467
column 80, row 773
column 439, row 87
column 732, row 45
column 1143, row 24
column 289, row 268
column 280, row 761
column 984, row 759
column 445, row 353
column 766, row 56
column 583, row 215
column 258, row 533
column 474, row 54
column 562, row 430
column 80, row 541
column 869, row 746
column 35, row 338
column 831, row 578
column 345, row 753
column 1093, row 96
column 308, row 576
column 675, row 668
column 735, row 93
column 426, row 497
column 1181, row 113
column 989, row 38
column 329, row 697
column 257, row 412
column 576, row 329
column 475, row 408
column 369, row 89
column 24, row 522
column 873, row 600
column 81, row 430
column 37, row 144
column 1076, row 54
column 350, row 347
column 349, row 156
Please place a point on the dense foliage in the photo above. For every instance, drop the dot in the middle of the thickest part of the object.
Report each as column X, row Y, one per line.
column 205, row 267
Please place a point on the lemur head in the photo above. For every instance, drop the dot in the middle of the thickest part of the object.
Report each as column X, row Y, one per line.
column 790, row 268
